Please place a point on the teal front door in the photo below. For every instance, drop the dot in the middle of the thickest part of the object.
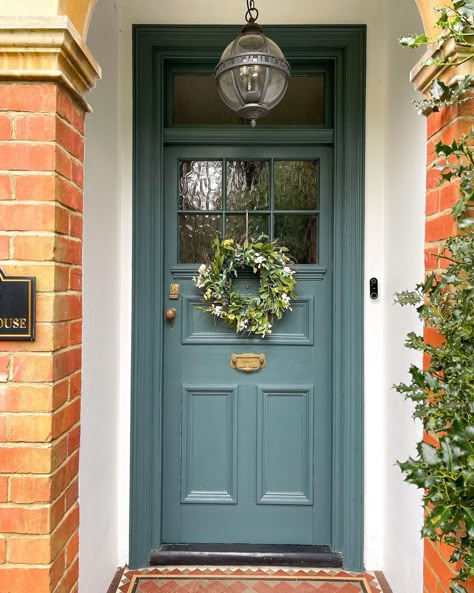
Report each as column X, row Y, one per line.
column 217, row 455
column 247, row 457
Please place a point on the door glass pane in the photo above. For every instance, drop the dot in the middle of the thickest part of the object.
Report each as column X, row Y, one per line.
column 302, row 105
column 200, row 185
column 296, row 185
column 235, row 226
column 196, row 232
column 248, row 185
column 299, row 234
column 196, row 101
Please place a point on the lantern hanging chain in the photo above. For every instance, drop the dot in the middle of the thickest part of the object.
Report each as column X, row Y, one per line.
column 252, row 13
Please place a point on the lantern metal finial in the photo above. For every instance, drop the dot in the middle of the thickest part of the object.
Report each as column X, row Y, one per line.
column 253, row 74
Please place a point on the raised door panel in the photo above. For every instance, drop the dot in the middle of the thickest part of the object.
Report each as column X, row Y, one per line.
column 285, row 445
column 209, row 445
column 199, row 328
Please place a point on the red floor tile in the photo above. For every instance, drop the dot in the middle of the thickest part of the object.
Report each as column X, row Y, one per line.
column 246, row 580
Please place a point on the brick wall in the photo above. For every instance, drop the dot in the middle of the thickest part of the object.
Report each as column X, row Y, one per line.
column 41, row 181
column 446, row 125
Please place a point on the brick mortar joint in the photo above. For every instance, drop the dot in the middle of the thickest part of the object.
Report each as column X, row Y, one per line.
column 26, row 142
column 77, row 160
column 25, row 414
column 73, row 157
column 439, row 214
column 10, row 565
column 23, row 475
column 443, row 129
column 46, row 264
column 46, row 112
column 62, row 407
column 33, row 506
column 45, row 384
column 70, row 125
column 22, row 445
column 70, row 181
column 59, row 586
column 14, row 203
column 440, row 556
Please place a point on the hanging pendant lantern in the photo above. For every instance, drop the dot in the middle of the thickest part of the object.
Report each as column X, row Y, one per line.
column 253, row 74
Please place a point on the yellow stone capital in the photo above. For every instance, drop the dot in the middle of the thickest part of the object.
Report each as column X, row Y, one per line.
column 429, row 15
column 47, row 49
column 78, row 11
column 423, row 74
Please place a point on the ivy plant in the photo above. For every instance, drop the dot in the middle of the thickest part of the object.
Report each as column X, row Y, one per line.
column 443, row 396
column 443, row 390
column 455, row 22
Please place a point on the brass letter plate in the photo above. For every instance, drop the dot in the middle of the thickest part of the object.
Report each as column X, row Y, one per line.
column 247, row 362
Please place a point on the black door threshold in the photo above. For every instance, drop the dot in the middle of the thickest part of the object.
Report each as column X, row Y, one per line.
column 245, row 554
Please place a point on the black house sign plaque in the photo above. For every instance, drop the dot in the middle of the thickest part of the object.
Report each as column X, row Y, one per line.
column 17, row 307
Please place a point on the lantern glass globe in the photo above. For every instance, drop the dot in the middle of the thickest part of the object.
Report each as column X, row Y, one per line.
column 252, row 75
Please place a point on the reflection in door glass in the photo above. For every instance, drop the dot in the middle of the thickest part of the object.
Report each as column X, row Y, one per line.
column 200, row 185
column 235, row 226
column 284, row 207
column 296, row 185
column 248, row 185
column 299, row 234
column 196, row 102
column 196, row 232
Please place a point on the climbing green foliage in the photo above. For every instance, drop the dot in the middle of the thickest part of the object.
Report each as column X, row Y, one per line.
column 443, row 390
column 456, row 23
column 443, row 397
column 457, row 164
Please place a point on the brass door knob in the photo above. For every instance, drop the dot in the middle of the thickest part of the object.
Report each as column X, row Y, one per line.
column 170, row 315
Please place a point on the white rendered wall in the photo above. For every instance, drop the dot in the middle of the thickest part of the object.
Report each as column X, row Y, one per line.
column 98, row 479
column 403, row 267
column 394, row 234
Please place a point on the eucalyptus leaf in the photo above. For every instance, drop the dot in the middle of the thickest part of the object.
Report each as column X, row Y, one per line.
column 270, row 262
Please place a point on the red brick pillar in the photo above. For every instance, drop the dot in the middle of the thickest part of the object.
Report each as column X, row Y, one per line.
column 447, row 125
column 41, row 200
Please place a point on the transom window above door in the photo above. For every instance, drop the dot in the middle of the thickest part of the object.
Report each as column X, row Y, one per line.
column 237, row 198
column 196, row 101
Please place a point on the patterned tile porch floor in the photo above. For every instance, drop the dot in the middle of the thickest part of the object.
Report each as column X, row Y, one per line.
column 238, row 579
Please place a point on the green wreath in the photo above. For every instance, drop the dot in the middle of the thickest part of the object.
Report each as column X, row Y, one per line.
column 247, row 314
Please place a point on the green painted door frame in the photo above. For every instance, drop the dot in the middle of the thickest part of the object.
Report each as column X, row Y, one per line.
column 345, row 47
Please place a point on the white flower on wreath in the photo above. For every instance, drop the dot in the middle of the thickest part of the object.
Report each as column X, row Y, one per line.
column 288, row 270
column 242, row 324
column 286, row 299
column 217, row 310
